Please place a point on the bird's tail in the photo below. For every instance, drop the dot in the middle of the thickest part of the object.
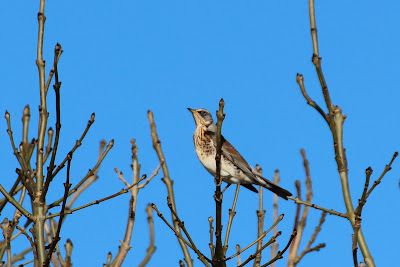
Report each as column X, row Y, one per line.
column 283, row 193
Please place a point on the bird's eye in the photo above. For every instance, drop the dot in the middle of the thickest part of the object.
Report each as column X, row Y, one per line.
column 203, row 113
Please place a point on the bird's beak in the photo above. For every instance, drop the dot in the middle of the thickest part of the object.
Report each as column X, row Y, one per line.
column 192, row 110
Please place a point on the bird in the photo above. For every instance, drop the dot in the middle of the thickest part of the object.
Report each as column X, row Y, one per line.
column 234, row 168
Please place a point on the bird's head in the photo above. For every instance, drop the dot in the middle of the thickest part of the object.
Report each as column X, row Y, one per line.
column 202, row 117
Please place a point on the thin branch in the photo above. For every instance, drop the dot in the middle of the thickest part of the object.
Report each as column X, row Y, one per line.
column 211, row 244
column 258, row 251
column 78, row 143
column 387, row 168
column 274, row 247
column 239, row 260
column 53, row 70
column 121, row 192
column 308, row 248
column 363, row 200
column 125, row 246
column 302, row 224
column 23, row 231
column 15, row 150
column 178, row 234
column 357, row 214
column 50, row 133
column 330, row 211
column 89, row 181
column 15, row 203
column 26, row 148
column 151, row 249
column 300, row 81
column 68, row 251
column 280, row 253
column 13, row 191
column 181, row 224
column 168, row 182
column 20, row 256
column 56, row 86
column 232, row 214
column 260, row 219
column 56, row 238
column 259, row 238
column 89, row 174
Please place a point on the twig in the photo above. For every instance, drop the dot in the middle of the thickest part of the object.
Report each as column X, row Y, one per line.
column 387, row 168
column 89, row 174
column 259, row 238
column 302, row 224
column 26, row 148
column 56, row 238
column 13, row 191
column 89, row 181
column 280, row 253
column 10, row 134
column 211, row 244
column 300, row 81
column 125, row 246
column 232, row 214
column 239, row 260
column 260, row 219
column 330, row 211
column 50, row 133
column 274, row 247
column 168, row 182
column 308, row 248
column 122, row 191
column 68, row 251
column 181, row 224
column 258, row 251
column 357, row 215
column 178, row 234
column 53, row 70
column 78, row 143
column 151, row 249
column 20, row 256
column 30, row 241
column 15, row 203
column 56, row 86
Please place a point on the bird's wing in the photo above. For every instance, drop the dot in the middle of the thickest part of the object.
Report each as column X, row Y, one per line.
column 230, row 152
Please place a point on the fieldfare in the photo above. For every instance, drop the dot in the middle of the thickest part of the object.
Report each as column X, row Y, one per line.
column 234, row 168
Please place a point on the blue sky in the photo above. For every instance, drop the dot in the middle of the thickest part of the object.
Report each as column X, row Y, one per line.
column 123, row 58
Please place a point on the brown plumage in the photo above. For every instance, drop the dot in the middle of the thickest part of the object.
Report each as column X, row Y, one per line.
column 234, row 168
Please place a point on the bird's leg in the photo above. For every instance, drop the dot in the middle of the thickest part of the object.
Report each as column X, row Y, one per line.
column 228, row 185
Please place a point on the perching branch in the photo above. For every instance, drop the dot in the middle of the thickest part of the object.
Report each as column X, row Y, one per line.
column 219, row 257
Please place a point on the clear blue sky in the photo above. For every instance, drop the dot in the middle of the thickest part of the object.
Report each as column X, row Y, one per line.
column 123, row 58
